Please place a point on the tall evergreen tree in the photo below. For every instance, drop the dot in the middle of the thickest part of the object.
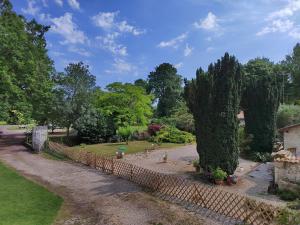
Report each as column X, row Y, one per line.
column 214, row 98
column 260, row 103
column 165, row 84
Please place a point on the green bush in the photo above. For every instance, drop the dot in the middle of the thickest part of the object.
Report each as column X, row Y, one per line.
column 287, row 115
column 219, row 174
column 126, row 132
column 173, row 135
column 288, row 195
column 261, row 157
column 288, row 217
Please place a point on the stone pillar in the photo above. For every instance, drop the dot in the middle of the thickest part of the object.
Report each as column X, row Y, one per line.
column 39, row 137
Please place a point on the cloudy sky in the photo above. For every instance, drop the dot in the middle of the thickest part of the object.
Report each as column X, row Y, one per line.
column 123, row 40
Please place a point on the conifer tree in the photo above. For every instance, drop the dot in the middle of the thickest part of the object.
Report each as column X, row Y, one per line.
column 214, row 99
column 260, row 103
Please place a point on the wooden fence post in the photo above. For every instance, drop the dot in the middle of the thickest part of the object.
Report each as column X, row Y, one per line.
column 112, row 166
column 131, row 172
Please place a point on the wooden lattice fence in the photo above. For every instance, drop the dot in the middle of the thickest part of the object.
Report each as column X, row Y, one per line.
column 222, row 205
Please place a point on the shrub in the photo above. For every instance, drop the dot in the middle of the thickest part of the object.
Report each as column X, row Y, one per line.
column 219, row 174
column 154, row 128
column 287, row 115
column 126, row 132
column 261, row 157
column 288, row 217
column 195, row 163
column 244, row 142
column 288, row 195
column 173, row 135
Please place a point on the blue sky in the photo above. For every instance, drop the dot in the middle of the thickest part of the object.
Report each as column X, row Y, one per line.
column 123, row 40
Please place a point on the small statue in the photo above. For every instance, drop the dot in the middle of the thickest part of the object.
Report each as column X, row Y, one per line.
column 165, row 157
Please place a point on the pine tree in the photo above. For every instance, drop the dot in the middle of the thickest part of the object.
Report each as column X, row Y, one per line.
column 214, row 98
column 260, row 103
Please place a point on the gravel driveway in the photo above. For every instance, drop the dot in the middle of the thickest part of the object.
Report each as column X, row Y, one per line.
column 91, row 197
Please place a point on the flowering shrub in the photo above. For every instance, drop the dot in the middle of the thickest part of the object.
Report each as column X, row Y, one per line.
column 153, row 129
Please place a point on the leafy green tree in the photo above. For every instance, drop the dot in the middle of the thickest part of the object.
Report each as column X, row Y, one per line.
column 25, row 68
column 76, row 86
column 128, row 104
column 291, row 69
column 260, row 103
column 94, row 126
column 165, row 84
column 142, row 83
column 214, row 99
column 288, row 115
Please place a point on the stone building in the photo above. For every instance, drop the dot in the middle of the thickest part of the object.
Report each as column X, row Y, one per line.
column 291, row 138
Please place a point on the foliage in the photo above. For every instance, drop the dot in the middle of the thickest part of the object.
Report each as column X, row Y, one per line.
column 94, row 127
column 142, row 83
column 195, row 162
column 75, row 88
column 288, row 115
column 260, row 156
column 165, row 84
column 214, row 98
column 153, row 129
column 288, row 217
column 24, row 202
column 219, row 174
column 173, row 135
column 128, row 104
column 260, row 103
column 244, row 142
column 182, row 118
column 126, row 132
column 25, row 68
column 291, row 70
column 288, row 195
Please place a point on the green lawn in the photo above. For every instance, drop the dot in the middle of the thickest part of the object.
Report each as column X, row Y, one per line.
column 3, row 123
column 23, row 202
column 109, row 149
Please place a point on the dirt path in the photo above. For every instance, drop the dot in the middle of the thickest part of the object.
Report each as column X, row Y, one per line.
column 91, row 197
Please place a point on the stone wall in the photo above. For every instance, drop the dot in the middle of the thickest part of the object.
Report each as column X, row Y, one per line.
column 292, row 139
column 287, row 174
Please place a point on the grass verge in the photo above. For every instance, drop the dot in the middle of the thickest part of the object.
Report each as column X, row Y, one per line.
column 109, row 149
column 24, row 202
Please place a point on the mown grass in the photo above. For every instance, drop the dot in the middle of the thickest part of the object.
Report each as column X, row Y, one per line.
column 23, row 202
column 3, row 123
column 109, row 149
column 54, row 155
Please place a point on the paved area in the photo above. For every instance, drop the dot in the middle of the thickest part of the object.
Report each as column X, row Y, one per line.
column 254, row 178
column 91, row 197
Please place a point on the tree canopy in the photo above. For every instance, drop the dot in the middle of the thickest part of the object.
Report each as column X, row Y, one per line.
column 165, row 84
column 128, row 104
column 25, row 68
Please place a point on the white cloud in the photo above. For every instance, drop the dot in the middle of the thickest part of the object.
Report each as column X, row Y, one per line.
column 210, row 23
column 65, row 26
column 45, row 17
column 178, row 65
column 120, row 66
column 281, row 21
column 173, row 42
column 108, row 42
column 188, row 50
column 80, row 51
column 125, row 27
column 59, row 2
column 74, row 4
column 277, row 26
column 107, row 21
column 31, row 9
column 288, row 10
